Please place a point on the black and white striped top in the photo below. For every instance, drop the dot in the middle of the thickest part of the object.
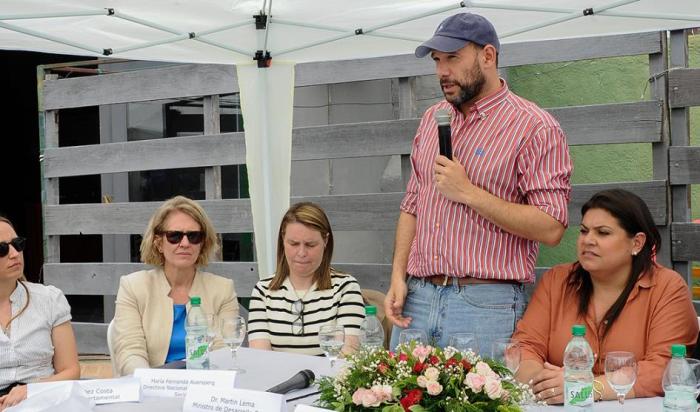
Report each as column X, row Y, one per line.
column 271, row 316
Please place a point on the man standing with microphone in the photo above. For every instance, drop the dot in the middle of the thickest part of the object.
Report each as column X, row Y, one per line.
column 469, row 230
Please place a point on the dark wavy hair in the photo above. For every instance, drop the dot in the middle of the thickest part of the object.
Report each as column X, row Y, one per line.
column 634, row 217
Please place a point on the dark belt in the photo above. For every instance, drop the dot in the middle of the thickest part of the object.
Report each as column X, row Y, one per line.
column 444, row 280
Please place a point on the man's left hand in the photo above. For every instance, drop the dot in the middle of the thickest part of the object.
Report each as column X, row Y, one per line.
column 451, row 179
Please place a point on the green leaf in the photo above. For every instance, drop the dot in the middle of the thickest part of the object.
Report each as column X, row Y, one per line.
column 416, row 408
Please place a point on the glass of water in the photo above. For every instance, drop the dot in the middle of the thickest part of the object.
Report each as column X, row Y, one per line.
column 409, row 335
column 507, row 351
column 331, row 338
column 464, row 342
column 233, row 330
column 621, row 372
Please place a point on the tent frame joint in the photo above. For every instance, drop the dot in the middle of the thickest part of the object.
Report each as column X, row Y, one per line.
column 359, row 31
column 588, row 12
column 110, row 12
column 107, row 52
column 260, row 21
column 264, row 60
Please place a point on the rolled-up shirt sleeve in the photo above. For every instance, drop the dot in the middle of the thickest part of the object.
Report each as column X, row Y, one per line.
column 545, row 168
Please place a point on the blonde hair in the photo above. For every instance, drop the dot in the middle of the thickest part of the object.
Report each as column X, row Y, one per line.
column 312, row 216
column 149, row 251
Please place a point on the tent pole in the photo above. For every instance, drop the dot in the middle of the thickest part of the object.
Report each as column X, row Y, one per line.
column 49, row 37
column 368, row 30
column 102, row 12
column 562, row 19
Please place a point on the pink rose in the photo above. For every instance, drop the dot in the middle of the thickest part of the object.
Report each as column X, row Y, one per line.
column 483, row 369
column 383, row 392
column 493, row 388
column 474, row 381
column 421, row 352
column 365, row 397
column 422, row 381
column 432, row 373
column 434, row 388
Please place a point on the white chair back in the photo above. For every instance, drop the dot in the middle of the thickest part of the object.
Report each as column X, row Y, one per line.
column 110, row 346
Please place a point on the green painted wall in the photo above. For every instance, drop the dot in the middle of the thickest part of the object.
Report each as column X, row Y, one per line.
column 598, row 81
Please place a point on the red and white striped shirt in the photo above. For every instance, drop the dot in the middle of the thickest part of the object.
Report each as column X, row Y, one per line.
column 510, row 148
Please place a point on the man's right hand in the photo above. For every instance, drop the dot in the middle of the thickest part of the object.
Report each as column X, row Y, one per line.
column 393, row 303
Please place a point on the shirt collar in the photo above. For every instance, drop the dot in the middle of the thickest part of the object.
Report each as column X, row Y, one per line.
column 18, row 296
column 646, row 281
column 486, row 103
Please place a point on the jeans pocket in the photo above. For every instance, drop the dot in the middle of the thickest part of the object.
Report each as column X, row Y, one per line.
column 413, row 284
column 490, row 296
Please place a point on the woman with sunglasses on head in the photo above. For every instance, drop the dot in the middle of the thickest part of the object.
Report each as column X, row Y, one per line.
column 288, row 309
column 626, row 301
column 152, row 305
column 36, row 337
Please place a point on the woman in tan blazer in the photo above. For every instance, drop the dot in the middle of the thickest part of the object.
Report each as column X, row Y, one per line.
column 148, row 325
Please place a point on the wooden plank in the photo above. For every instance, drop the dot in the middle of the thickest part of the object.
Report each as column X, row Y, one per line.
column 91, row 338
column 201, row 80
column 685, row 238
column 155, row 154
column 212, row 125
column 638, row 122
column 684, row 165
column 594, row 124
column 172, row 82
column 680, row 136
column 653, row 193
column 103, row 278
column 228, row 216
column 512, row 54
column 346, row 212
column 658, row 65
column 50, row 187
column 683, row 86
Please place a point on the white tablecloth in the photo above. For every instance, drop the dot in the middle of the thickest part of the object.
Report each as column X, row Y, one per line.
column 265, row 369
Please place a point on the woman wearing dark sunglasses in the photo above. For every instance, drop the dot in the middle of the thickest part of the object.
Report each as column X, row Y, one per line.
column 288, row 309
column 149, row 321
column 36, row 337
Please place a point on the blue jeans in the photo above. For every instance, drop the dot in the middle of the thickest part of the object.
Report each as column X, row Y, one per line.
column 490, row 311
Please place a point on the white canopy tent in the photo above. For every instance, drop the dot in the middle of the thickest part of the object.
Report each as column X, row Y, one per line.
column 298, row 31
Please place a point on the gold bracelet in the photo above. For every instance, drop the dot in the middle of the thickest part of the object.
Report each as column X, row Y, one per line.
column 598, row 389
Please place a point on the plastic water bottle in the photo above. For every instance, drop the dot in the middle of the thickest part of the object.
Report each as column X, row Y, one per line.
column 371, row 330
column 578, row 372
column 679, row 383
column 196, row 340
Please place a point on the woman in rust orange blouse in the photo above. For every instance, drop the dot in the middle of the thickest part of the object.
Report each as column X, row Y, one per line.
column 626, row 301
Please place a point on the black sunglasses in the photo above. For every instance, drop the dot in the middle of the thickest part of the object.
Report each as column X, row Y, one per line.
column 298, row 323
column 175, row 236
column 17, row 243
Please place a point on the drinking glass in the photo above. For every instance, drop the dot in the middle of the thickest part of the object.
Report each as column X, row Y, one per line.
column 233, row 330
column 507, row 350
column 464, row 342
column 621, row 373
column 331, row 338
column 408, row 335
column 695, row 366
column 213, row 328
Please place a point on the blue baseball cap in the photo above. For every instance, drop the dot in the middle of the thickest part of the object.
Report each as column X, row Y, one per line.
column 456, row 31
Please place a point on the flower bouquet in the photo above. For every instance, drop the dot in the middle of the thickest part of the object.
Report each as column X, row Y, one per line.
column 422, row 378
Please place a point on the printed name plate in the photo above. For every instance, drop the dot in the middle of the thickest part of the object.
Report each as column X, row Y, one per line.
column 101, row 391
column 307, row 408
column 173, row 383
column 200, row 399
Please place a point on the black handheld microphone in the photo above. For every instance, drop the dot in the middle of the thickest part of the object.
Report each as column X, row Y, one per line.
column 301, row 380
column 442, row 117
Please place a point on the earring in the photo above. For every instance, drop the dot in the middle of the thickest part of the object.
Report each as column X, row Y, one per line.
column 634, row 253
